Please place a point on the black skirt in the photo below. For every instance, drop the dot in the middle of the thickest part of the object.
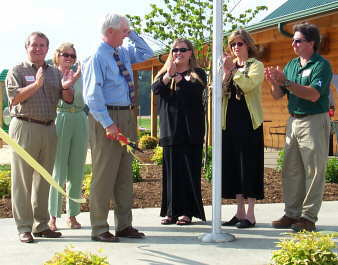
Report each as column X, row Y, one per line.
column 242, row 153
column 181, row 183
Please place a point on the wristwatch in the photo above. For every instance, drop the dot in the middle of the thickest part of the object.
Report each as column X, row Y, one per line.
column 287, row 83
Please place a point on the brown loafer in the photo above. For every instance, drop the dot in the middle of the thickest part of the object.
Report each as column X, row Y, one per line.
column 130, row 232
column 303, row 224
column 26, row 237
column 47, row 234
column 106, row 237
column 284, row 222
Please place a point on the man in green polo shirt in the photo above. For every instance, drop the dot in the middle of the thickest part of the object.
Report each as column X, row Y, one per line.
column 305, row 80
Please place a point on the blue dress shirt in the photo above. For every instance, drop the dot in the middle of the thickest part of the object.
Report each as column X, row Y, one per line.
column 102, row 82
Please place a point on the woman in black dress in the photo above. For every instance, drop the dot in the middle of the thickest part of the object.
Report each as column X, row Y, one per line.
column 180, row 85
column 242, row 135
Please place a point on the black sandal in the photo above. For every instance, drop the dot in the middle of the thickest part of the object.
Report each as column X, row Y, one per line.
column 169, row 220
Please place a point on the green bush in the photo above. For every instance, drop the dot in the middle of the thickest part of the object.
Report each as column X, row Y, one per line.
column 280, row 160
column 207, row 170
column 73, row 257
column 135, row 166
column 143, row 132
column 157, row 157
column 5, row 183
column 332, row 170
column 306, row 248
column 148, row 142
column 87, row 180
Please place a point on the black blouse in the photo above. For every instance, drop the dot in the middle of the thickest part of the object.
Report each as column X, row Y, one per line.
column 181, row 110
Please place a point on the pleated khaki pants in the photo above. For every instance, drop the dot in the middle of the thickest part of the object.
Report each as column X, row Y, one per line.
column 112, row 176
column 29, row 190
column 306, row 155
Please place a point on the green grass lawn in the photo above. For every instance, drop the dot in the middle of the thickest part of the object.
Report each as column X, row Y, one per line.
column 144, row 122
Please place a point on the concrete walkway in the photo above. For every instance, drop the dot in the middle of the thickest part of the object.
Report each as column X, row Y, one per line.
column 164, row 244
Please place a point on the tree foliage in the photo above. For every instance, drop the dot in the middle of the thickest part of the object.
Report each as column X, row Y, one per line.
column 191, row 19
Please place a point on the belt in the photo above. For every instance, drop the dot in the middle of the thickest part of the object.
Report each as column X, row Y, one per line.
column 130, row 107
column 298, row 116
column 72, row 109
column 46, row 123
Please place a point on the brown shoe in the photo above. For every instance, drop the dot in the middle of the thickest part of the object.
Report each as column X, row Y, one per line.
column 48, row 234
column 73, row 223
column 106, row 237
column 303, row 224
column 130, row 232
column 26, row 237
column 284, row 222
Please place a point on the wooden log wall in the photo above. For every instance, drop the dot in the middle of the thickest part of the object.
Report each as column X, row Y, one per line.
column 277, row 51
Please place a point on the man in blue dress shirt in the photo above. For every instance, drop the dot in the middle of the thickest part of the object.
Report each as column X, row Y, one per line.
column 108, row 94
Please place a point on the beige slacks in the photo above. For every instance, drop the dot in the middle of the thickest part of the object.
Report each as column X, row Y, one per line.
column 112, row 176
column 29, row 190
column 306, row 154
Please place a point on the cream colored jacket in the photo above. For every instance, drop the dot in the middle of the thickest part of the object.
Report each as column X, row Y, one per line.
column 249, row 79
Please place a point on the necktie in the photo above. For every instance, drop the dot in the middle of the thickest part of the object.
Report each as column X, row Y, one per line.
column 124, row 72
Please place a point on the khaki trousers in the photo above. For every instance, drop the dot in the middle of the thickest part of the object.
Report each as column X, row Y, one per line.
column 29, row 190
column 306, row 154
column 112, row 177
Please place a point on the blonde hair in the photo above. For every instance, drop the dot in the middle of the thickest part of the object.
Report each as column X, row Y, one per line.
column 245, row 36
column 61, row 49
column 192, row 61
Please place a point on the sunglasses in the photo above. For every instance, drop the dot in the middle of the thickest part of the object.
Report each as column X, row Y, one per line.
column 239, row 44
column 180, row 50
column 297, row 41
column 64, row 54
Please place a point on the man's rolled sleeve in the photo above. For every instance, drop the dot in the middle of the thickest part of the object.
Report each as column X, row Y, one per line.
column 13, row 84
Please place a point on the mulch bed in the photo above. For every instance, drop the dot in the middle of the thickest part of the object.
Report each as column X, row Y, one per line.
column 147, row 193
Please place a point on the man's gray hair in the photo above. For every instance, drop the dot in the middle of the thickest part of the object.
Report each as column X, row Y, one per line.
column 112, row 20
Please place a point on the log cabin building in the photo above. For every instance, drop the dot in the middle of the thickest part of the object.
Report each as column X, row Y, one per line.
column 273, row 36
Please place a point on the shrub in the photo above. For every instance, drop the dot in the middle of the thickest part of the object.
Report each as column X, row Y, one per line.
column 5, row 183
column 87, row 180
column 157, row 157
column 280, row 160
column 332, row 170
column 135, row 167
column 306, row 248
column 207, row 158
column 148, row 142
column 73, row 257
column 142, row 132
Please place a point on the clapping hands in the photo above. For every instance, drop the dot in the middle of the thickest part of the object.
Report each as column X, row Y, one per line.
column 69, row 77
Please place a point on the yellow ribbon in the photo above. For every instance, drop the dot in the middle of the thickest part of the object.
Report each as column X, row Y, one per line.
column 35, row 165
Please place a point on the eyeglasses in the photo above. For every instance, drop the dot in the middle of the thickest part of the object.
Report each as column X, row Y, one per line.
column 239, row 44
column 64, row 54
column 297, row 41
column 180, row 50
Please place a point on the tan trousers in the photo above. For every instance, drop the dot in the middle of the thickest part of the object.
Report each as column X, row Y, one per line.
column 29, row 190
column 306, row 154
column 112, row 177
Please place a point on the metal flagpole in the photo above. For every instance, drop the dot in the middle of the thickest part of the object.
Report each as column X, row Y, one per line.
column 217, row 71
